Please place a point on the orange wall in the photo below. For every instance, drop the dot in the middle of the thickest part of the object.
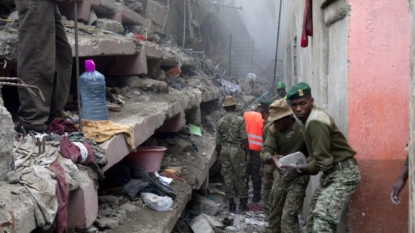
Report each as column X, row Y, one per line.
column 379, row 39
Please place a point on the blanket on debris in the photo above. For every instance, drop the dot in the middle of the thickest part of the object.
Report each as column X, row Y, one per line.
column 101, row 131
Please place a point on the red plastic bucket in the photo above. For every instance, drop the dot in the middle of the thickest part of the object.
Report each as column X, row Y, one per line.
column 148, row 156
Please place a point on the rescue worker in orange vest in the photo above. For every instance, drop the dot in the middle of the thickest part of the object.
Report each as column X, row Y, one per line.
column 254, row 124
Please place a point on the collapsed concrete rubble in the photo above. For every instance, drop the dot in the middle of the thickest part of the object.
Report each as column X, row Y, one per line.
column 155, row 88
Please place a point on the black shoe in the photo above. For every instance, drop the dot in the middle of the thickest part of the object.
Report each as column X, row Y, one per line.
column 21, row 129
column 232, row 206
column 243, row 207
column 256, row 198
column 46, row 133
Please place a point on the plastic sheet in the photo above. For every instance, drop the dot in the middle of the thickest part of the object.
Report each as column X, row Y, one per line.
column 157, row 202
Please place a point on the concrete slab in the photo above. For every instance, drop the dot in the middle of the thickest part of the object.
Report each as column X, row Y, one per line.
column 156, row 12
column 129, row 17
column 150, row 221
column 129, row 65
column 147, row 116
column 171, row 57
column 136, row 64
column 83, row 204
column 84, row 7
column 104, row 45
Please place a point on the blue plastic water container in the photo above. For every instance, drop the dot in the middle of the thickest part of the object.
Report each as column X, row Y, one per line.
column 92, row 90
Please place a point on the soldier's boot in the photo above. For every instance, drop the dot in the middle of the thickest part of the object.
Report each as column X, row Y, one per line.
column 256, row 198
column 232, row 206
column 243, row 207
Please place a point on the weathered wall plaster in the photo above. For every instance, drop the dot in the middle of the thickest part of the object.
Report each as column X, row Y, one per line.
column 379, row 39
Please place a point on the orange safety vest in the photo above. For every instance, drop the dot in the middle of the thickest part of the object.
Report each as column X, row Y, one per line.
column 254, row 124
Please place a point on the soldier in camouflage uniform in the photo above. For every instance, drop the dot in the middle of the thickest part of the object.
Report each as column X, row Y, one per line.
column 230, row 136
column 268, row 177
column 331, row 154
column 284, row 137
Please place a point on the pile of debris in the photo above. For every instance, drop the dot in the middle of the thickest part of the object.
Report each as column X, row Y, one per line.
column 210, row 214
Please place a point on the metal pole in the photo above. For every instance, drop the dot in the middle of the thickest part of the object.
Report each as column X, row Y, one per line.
column 77, row 63
column 184, row 23
column 276, row 49
column 230, row 56
column 253, row 43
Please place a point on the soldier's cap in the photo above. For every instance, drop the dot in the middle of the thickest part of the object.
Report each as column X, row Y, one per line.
column 265, row 103
column 280, row 85
column 229, row 101
column 279, row 109
column 298, row 90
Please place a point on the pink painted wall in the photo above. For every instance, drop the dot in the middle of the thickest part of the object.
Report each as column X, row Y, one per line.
column 378, row 91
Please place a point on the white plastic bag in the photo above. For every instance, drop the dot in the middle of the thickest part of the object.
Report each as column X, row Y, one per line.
column 156, row 202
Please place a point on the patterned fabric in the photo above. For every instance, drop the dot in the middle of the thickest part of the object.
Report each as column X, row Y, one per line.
column 286, row 204
column 265, row 193
column 330, row 198
column 233, row 160
column 252, row 171
column 231, row 128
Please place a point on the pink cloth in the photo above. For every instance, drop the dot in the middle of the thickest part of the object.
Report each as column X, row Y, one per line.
column 72, row 152
column 62, row 194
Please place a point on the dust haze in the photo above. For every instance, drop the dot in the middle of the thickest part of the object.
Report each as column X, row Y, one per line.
column 261, row 18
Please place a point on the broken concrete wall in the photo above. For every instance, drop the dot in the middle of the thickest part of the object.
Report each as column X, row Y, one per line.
column 8, row 45
column 157, row 13
column 6, row 142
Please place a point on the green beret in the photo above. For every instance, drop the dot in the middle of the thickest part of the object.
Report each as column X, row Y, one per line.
column 280, row 85
column 298, row 90
column 265, row 103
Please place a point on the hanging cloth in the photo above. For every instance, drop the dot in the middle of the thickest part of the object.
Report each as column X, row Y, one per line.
column 307, row 23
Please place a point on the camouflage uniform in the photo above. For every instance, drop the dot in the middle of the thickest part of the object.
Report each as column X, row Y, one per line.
column 329, row 148
column 253, row 171
column 286, row 198
column 231, row 132
column 268, row 175
column 330, row 198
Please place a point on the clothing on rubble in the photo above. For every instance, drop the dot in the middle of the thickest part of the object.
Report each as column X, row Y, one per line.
column 134, row 180
column 27, row 154
column 78, row 152
column 101, row 131
column 62, row 194
column 133, row 188
column 60, row 126
column 98, row 152
column 38, row 180
column 141, row 173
